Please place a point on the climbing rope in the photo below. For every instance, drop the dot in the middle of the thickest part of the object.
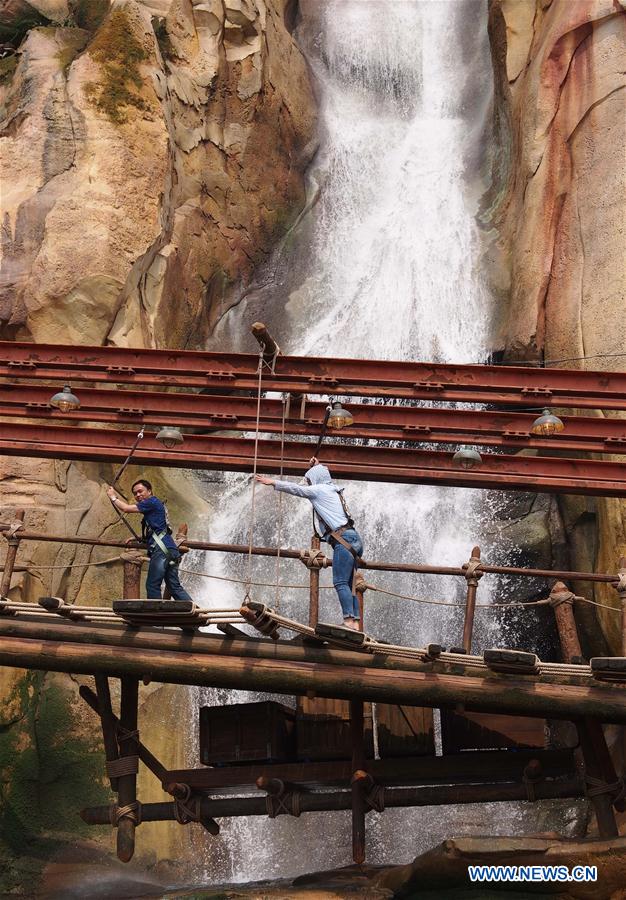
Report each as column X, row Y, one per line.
column 254, row 470
column 280, row 499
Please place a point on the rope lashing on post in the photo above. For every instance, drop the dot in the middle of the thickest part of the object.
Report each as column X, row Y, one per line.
column 123, row 734
column 375, row 798
column 125, row 765
column 14, row 526
column 283, row 804
column 472, row 568
column 130, row 811
column 313, row 559
column 188, row 810
column 595, row 787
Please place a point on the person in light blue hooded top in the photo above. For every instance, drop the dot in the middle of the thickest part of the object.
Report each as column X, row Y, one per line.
column 333, row 522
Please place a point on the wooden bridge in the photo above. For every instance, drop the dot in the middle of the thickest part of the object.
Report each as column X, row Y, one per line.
column 361, row 735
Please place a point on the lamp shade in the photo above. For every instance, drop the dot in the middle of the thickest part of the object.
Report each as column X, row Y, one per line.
column 467, row 458
column 339, row 417
column 65, row 400
column 547, row 424
column 169, row 436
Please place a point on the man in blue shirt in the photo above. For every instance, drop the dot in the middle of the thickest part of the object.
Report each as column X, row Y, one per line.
column 162, row 550
column 336, row 528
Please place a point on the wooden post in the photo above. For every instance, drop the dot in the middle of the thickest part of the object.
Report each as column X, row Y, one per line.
column 597, row 758
column 108, row 722
column 127, row 784
column 562, row 602
column 9, row 562
column 314, row 586
column 266, row 342
column 621, row 590
column 359, row 589
column 357, row 781
column 472, row 577
column 132, row 580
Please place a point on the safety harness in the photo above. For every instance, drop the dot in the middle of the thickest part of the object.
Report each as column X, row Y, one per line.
column 337, row 532
column 147, row 532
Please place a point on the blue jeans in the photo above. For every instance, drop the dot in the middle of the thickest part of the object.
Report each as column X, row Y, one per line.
column 159, row 570
column 344, row 566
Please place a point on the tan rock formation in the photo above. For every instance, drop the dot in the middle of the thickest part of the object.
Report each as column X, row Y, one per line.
column 152, row 155
column 160, row 158
column 560, row 207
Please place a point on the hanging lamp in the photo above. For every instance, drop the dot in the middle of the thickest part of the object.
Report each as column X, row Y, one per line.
column 65, row 400
column 169, row 436
column 547, row 424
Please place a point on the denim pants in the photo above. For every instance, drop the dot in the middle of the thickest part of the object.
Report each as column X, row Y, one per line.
column 159, row 570
column 344, row 566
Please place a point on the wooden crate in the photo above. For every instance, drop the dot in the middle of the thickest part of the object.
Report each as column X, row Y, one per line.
column 247, row 732
column 404, row 731
column 490, row 731
column 323, row 729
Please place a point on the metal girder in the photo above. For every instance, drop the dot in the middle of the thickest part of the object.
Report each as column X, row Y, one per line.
column 511, row 385
column 371, row 421
column 498, row 471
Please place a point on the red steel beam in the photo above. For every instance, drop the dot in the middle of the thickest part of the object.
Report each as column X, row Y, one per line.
column 371, row 421
column 410, row 466
column 511, row 385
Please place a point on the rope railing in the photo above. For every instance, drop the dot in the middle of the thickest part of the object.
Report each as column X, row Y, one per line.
column 315, row 559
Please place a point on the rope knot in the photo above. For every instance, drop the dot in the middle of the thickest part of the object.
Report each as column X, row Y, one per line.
column 472, row 568
column 131, row 811
column 283, row 804
column 14, row 527
column 314, row 559
column 560, row 594
column 188, row 810
column 620, row 587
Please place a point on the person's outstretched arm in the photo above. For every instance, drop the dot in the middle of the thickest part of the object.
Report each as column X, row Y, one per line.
column 287, row 487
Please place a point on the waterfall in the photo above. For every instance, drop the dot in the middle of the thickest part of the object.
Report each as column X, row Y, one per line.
column 384, row 264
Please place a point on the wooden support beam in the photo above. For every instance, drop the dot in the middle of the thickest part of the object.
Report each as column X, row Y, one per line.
column 338, row 800
column 357, row 787
column 472, row 767
column 516, row 695
column 314, row 585
column 108, row 721
column 472, row 577
column 127, row 784
column 9, row 560
column 599, row 766
column 147, row 758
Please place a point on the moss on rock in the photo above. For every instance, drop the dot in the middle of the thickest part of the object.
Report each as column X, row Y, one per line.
column 120, row 54
column 51, row 766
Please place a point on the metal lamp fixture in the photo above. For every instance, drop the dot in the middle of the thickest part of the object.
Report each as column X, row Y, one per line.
column 339, row 417
column 169, row 436
column 65, row 400
column 467, row 458
column 547, row 424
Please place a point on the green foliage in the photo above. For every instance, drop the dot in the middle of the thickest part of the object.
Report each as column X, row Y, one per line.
column 8, row 65
column 48, row 773
column 120, row 54
column 14, row 31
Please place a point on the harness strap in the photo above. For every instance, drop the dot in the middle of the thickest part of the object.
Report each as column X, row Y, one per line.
column 158, row 539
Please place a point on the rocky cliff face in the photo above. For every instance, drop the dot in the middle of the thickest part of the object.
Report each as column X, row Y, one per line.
column 558, row 209
column 153, row 154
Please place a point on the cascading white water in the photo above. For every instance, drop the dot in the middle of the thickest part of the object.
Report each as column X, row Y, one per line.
column 384, row 265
